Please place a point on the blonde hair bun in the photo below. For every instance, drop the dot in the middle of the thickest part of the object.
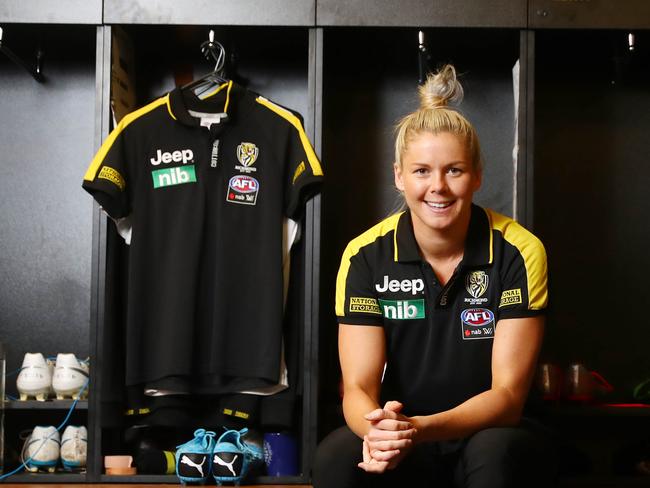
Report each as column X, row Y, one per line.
column 440, row 89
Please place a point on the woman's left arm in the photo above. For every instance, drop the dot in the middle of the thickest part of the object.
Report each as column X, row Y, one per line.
column 514, row 357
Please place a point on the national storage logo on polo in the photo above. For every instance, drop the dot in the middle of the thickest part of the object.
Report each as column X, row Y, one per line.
column 364, row 305
column 402, row 309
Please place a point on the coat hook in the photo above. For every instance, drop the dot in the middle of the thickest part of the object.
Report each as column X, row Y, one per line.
column 214, row 50
column 423, row 59
column 631, row 42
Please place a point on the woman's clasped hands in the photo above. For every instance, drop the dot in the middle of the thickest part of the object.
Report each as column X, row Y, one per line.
column 389, row 439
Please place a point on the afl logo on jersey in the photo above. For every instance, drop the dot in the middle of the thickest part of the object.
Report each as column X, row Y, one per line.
column 478, row 323
column 242, row 189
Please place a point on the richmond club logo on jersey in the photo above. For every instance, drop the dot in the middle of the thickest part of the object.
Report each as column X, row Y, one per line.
column 182, row 155
column 476, row 284
column 247, row 153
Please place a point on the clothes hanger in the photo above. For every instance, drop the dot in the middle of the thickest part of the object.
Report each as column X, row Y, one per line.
column 214, row 50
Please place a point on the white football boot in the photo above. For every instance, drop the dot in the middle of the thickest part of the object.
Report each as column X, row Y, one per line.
column 35, row 377
column 74, row 447
column 41, row 449
column 70, row 376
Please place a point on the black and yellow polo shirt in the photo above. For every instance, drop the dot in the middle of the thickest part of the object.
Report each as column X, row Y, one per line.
column 439, row 338
column 208, row 185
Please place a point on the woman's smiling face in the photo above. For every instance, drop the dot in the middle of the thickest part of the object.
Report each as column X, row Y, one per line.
column 438, row 179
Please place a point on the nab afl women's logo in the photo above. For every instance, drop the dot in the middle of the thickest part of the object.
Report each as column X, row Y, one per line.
column 476, row 283
column 247, row 153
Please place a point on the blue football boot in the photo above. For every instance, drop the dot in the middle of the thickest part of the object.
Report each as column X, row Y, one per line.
column 233, row 458
column 193, row 457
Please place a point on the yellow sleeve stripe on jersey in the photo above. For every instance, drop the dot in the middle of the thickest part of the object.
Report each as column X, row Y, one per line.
column 533, row 253
column 110, row 140
column 489, row 217
column 353, row 248
column 293, row 120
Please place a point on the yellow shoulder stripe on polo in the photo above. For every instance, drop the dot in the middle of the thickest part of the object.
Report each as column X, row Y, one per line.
column 293, row 120
column 534, row 255
column 368, row 237
column 110, row 140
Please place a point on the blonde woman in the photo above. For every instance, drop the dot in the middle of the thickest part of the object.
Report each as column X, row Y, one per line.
column 441, row 318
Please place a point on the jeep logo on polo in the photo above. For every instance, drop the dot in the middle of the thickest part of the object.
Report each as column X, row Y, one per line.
column 183, row 155
column 476, row 283
column 402, row 309
column 414, row 286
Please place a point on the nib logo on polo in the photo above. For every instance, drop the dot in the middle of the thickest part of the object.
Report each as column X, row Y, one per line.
column 176, row 175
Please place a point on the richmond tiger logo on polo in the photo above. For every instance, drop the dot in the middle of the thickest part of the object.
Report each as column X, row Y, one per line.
column 247, row 153
column 402, row 309
column 183, row 155
column 173, row 176
column 476, row 284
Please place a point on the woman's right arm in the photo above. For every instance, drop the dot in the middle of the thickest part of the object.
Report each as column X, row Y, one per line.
column 362, row 352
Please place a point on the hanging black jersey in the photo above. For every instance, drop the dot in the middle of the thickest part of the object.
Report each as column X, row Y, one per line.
column 207, row 184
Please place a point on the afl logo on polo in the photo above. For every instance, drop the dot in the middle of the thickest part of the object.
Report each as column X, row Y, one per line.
column 242, row 189
column 478, row 323
column 476, row 283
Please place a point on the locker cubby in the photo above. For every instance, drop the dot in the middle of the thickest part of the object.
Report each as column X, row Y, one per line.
column 591, row 123
column 370, row 81
column 274, row 62
column 45, row 263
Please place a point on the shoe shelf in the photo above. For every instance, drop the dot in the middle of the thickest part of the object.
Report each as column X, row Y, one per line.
column 172, row 479
column 48, row 478
column 47, row 405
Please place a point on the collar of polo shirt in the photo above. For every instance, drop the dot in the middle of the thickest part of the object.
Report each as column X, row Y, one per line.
column 478, row 247
column 224, row 99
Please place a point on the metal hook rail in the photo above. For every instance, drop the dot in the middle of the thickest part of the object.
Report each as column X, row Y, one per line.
column 36, row 71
